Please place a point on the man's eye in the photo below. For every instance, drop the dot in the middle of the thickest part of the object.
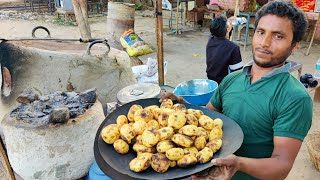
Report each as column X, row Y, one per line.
column 278, row 36
column 260, row 32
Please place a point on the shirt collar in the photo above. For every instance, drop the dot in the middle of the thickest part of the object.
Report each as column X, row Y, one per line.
column 285, row 68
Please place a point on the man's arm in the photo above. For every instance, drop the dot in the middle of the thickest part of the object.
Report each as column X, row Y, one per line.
column 211, row 107
column 278, row 165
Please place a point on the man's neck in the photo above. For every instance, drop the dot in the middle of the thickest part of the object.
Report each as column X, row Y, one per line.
column 258, row 72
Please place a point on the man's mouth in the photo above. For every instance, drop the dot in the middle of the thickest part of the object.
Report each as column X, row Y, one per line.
column 264, row 51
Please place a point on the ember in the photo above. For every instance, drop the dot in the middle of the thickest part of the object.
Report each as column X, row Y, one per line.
column 54, row 108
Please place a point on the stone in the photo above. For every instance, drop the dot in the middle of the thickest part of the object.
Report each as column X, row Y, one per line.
column 27, row 96
column 89, row 96
column 59, row 115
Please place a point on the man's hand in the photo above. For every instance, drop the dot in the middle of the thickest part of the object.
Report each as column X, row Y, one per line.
column 224, row 169
column 168, row 95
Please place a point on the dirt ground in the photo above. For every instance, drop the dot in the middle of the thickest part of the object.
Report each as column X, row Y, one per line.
column 185, row 54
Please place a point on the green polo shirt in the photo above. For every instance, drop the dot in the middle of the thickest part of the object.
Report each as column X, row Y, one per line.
column 276, row 105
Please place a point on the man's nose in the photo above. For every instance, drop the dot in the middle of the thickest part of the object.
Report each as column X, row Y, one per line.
column 266, row 40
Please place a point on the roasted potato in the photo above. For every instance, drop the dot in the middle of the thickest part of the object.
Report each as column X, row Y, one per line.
column 187, row 161
column 218, row 122
column 121, row 146
column 204, row 155
column 192, row 120
column 166, row 103
column 150, row 108
column 110, row 133
column 139, row 127
column 121, row 120
column 150, row 137
column 163, row 119
column 156, row 112
column 165, row 145
column 179, row 107
column 175, row 154
column 166, row 133
column 177, row 120
column 127, row 133
column 138, row 139
column 160, row 163
column 216, row 132
column 140, row 163
column 132, row 111
column 214, row 144
column 182, row 140
column 142, row 115
column 153, row 123
column 189, row 130
column 206, row 122
column 200, row 142
column 140, row 148
column 191, row 150
column 173, row 163
column 196, row 113
column 169, row 111
column 203, row 132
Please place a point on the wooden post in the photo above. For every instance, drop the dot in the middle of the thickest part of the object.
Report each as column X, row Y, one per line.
column 5, row 162
column 81, row 13
column 316, row 97
column 314, row 32
column 159, row 33
column 177, row 17
column 185, row 12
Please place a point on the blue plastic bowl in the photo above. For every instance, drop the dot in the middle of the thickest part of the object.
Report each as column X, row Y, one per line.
column 197, row 92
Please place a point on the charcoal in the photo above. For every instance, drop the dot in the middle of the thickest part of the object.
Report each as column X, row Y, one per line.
column 89, row 96
column 59, row 115
column 27, row 96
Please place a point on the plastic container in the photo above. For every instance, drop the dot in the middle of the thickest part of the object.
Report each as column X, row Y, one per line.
column 317, row 71
column 95, row 173
column 197, row 92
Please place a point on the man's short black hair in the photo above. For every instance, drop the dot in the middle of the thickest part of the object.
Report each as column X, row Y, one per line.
column 218, row 26
column 289, row 10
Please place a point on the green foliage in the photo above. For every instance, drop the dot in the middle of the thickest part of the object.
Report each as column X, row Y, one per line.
column 138, row 6
column 61, row 21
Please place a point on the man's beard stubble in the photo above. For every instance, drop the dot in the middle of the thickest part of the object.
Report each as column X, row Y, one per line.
column 275, row 61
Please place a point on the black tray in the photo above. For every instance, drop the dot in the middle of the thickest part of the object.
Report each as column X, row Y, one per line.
column 116, row 166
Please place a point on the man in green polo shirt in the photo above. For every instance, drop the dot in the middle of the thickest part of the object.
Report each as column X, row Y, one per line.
column 272, row 107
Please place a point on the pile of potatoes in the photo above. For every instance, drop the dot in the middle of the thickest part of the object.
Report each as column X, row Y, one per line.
column 165, row 136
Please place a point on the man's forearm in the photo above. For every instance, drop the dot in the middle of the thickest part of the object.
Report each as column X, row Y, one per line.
column 266, row 168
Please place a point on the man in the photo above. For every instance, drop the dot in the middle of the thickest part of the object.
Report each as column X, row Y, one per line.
column 271, row 106
column 222, row 55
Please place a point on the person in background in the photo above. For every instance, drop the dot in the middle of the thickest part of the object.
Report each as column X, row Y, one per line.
column 272, row 107
column 222, row 55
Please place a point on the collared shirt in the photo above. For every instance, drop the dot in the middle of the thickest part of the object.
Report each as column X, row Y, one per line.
column 275, row 105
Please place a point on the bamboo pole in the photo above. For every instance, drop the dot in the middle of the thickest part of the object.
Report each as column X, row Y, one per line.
column 235, row 14
column 159, row 33
column 81, row 13
column 177, row 17
column 314, row 32
column 185, row 12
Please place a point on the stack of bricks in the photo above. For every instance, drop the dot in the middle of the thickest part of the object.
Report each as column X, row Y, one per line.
column 244, row 5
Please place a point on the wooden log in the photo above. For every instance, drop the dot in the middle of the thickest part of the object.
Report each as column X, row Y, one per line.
column 159, row 34
column 81, row 13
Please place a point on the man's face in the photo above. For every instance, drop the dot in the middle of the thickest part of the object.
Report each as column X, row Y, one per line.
column 272, row 41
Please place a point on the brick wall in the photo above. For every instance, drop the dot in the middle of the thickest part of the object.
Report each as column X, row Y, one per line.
column 312, row 17
column 244, row 5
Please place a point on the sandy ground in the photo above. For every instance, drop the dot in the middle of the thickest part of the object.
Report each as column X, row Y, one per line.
column 179, row 51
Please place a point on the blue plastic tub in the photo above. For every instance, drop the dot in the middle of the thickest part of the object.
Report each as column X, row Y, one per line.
column 197, row 92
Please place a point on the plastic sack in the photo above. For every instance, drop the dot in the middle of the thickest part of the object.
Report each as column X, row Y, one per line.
column 133, row 44
column 148, row 73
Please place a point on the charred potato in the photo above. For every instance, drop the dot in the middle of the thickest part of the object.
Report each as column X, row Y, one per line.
column 164, row 146
column 166, row 103
column 132, row 111
column 150, row 108
column 206, row 122
column 138, row 139
column 204, row 155
column 177, row 120
column 127, row 133
column 153, row 123
column 187, row 161
column 175, row 154
column 122, row 120
column 189, row 130
column 218, row 122
column 110, row 133
column 166, row 133
column 121, row 146
column 139, row 127
column 200, row 142
column 150, row 137
column 182, row 140
column 214, row 144
column 192, row 120
column 169, row 111
column 163, row 119
column 160, row 163
column 140, row 148
column 156, row 112
column 142, row 115
column 173, row 163
column 196, row 113
column 179, row 107
column 216, row 132
column 140, row 163
column 203, row 132
column 191, row 150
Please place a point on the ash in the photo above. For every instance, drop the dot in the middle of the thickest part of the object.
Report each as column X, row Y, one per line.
column 54, row 108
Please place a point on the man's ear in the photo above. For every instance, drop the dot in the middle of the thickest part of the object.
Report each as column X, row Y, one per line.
column 295, row 46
